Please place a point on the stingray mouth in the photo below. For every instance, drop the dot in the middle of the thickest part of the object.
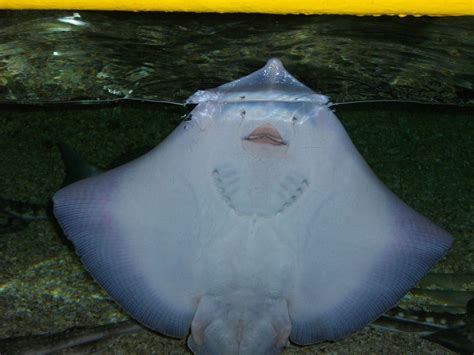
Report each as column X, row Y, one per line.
column 266, row 134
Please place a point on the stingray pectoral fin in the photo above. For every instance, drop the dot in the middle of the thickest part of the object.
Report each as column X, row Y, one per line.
column 133, row 228
column 361, row 251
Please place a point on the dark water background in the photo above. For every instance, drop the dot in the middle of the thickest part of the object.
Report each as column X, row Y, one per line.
column 58, row 73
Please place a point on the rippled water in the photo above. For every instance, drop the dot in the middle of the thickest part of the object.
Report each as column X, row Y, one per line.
column 58, row 56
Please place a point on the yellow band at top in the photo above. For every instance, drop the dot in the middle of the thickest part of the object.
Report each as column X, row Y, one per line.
column 308, row 7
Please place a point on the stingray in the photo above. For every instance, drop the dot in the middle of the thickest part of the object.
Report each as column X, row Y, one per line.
column 255, row 222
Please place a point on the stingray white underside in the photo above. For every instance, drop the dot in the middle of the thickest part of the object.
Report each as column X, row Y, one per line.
column 245, row 243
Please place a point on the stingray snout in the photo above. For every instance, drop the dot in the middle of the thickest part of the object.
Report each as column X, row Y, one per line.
column 266, row 134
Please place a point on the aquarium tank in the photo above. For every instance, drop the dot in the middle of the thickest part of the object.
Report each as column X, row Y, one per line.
column 84, row 92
